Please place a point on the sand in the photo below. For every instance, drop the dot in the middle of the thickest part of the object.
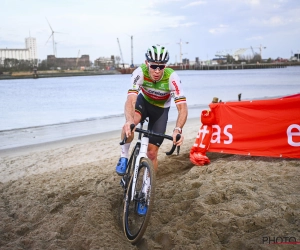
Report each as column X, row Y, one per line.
column 66, row 195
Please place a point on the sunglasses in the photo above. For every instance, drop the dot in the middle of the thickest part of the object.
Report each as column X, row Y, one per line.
column 155, row 66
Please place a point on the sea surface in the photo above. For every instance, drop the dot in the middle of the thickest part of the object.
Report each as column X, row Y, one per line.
column 59, row 108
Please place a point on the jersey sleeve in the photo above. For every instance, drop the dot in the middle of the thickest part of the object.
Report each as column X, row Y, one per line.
column 136, row 81
column 176, row 89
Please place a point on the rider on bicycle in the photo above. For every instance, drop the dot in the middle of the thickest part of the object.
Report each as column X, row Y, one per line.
column 152, row 87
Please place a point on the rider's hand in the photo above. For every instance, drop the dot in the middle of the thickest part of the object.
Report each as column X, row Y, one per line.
column 127, row 129
column 180, row 141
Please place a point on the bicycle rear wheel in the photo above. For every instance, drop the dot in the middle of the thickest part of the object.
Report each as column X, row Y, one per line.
column 134, row 224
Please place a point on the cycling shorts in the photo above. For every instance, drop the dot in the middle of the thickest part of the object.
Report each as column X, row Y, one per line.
column 158, row 118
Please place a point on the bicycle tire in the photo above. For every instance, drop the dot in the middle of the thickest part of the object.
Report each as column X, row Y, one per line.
column 125, row 182
column 134, row 153
column 135, row 225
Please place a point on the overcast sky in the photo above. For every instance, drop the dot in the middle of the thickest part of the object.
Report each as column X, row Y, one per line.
column 93, row 26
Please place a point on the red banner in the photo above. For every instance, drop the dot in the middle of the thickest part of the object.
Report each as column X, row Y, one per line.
column 268, row 127
column 198, row 151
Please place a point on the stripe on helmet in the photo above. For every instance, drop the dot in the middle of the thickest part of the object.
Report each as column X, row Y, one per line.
column 153, row 52
column 164, row 51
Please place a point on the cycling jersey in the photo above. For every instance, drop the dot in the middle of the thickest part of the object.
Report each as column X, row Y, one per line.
column 157, row 93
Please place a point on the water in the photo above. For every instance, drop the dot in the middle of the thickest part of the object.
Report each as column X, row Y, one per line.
column 28, row 102
column 92, row 104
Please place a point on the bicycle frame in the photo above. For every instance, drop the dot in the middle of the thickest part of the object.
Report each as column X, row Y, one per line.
column 142, row 146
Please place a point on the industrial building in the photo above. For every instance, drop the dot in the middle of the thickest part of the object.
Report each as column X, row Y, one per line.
column 27, row 53
column 105, row 62
column 68, row 63
column 30, row 43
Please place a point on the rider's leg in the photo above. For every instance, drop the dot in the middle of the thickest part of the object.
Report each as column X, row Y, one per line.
column 126, row 146
column 157, row 123
column 152, row 155
column 122, row 164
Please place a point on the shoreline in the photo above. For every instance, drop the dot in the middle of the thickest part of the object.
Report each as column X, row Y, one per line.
column 12, row 138
column 66, row 142
column 45, row 74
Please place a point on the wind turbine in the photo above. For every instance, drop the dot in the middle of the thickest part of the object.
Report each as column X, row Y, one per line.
column 56, row 49
column 180, row 49
column 52, row 35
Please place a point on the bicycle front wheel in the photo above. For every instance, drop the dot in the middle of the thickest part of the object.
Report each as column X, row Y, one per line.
column 137, row 209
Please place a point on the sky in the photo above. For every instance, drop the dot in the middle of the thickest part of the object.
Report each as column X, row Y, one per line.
column 191, row 28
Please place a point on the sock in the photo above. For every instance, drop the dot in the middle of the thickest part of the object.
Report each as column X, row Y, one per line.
column 125, row 150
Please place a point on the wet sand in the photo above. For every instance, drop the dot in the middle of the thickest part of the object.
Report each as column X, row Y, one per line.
column 66, row 195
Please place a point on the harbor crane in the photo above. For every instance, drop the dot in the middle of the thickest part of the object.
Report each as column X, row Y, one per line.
column 120, row 52
column 260, row 50
column 131, row 52
column 180, row 49
column 77, row 58
column 252, row 51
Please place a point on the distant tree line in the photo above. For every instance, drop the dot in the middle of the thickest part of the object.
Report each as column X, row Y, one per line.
column 11, row 65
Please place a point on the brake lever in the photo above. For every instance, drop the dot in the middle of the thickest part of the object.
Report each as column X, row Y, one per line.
column 178, row 136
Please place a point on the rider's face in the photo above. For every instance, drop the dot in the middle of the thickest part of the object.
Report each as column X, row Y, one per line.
column 156, row 70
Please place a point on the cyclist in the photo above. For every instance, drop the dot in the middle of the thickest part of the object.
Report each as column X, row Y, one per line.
column 152, row 87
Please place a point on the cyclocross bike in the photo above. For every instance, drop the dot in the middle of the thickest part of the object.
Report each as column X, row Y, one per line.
column 139, row 185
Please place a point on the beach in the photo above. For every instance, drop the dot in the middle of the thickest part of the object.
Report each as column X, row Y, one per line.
column 66, row 195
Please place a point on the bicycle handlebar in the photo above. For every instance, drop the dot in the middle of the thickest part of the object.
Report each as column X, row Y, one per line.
column 147, row 132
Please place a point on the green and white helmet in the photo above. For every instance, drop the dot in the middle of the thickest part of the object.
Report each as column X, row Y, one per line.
column 157, row 54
